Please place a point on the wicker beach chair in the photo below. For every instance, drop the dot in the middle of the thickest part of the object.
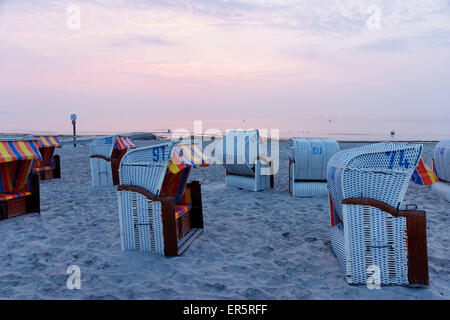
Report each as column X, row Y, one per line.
column 106, row 154
column 367, row 186
column 308, row 166
column 159, row 211
column 244, row 156
column 50, row 165
column 19, row 189
column 441, row 164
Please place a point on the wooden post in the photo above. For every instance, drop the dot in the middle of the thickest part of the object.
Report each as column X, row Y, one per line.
column 74, row 123
column 73, row 117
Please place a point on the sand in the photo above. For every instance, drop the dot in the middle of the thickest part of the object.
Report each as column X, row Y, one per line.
column 265, row 245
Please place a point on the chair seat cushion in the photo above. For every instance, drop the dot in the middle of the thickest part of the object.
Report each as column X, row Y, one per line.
column 11, row 195
column 181, row 209
column 44, row 168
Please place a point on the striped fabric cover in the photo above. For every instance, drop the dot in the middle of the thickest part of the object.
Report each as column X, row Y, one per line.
column 423, row 175
column 10, row 196
column 123, row 142
column 17, row 150
column 47, row 145
column 48, row 142
column 187, row 155
column 181, row 209
column 16, row 157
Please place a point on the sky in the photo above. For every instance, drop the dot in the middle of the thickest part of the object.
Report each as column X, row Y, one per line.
column 309, row 66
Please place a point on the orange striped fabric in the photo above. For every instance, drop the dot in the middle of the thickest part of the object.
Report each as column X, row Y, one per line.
column 48, row 141
column 423, row 175
column 124, row 142
column 187, row 155
column 11, row 151
column 10, row 196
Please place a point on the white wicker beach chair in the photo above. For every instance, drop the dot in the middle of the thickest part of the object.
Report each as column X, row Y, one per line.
column 244, row 156
column 106, row 154
column 367, row 186
column 308, row 166
column 158, row 210
column 442, row 169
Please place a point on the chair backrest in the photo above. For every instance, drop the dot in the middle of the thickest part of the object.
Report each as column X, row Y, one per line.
column 442, row 160
column 103, row 146
column 146, row 167
column 380, row 171
column 311, row 157
column 240, row 150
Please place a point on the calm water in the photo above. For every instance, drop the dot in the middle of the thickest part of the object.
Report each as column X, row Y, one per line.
column 342, row 130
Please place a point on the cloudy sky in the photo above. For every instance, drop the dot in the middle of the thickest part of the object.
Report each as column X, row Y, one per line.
column 288, row 64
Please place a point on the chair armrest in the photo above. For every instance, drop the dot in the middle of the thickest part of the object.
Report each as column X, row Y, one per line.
column 417, row 237
column 145, row 193
column 167, row 215
column 99, row 157
column 385, row 207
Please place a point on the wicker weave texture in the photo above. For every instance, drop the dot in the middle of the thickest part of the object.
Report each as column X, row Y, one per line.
column 442, row 160
column 140, row 218
column 368, row 236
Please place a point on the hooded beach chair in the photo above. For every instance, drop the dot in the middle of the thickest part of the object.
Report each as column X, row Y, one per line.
column 50, row 165
column 159, row 211
column 19, row 189
column 244, row 156
column 441, row 164
column 308, row 166
column 369, row 230
column 106, row 154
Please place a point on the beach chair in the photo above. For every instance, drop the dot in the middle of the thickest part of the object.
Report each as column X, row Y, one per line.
column 371, row 230
column 50, row 165
column 441, row 166
column 106, row 154
column 244, row 156
column 19, row 188
column 308, row 166
column 159, row 211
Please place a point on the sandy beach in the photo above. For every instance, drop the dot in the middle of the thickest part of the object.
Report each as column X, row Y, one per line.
column 265, row 245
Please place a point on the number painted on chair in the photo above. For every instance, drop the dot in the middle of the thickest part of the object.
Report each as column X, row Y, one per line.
column 316, row 150
column 157, row 151
column 402, row 162
column 155, row 154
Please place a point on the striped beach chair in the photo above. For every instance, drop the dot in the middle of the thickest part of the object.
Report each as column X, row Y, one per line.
column 159, row 211
column 308, row 166
column 441, row 167
column 50, row 165
column 106, row 154
column 372, row 235
column 19, row 189
column 244, row 156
